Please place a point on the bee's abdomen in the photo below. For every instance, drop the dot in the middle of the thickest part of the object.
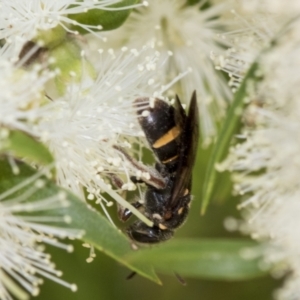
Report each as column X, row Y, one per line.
column 160, row 128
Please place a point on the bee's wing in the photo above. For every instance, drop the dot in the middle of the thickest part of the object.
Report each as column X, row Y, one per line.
column 188, row 149
column 180, row 115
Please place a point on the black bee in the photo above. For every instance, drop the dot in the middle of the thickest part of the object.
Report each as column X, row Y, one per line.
column 173, row 137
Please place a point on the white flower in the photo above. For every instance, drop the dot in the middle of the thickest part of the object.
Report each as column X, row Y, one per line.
column 22, row 230
column 267, row 163
column 250, row 34
column 253, row 27
column 85, row 126
column 20, row 90
column 24, row 19
column 278, row 7
column 188, row 35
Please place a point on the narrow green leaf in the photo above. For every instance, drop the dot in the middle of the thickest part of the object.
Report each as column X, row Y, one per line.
column 102, row 235
column 228, row 129
column 219, row 259
column 22, row 145
column 107, row 19
column 99, row 232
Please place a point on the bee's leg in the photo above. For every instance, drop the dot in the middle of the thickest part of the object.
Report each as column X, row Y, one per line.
column 116, row 180
column 124, row 213
column 118, row 183
column 135, row 180
column 149, row 176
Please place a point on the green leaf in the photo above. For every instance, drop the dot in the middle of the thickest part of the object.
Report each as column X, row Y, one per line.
column 229, row 127
column 102, row 235
column 22, row 145
column 220, row 259
column 107, row 19
column 99, row 232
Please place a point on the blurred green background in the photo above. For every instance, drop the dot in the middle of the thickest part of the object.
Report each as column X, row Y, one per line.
column 106, row 279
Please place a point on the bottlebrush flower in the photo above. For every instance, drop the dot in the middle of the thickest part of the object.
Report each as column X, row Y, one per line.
column 188, row 35
column 277, row 7
column 254, row 25
column 21, row 90
column 266, row 164
column 24, row 19
column 22, row 230
column 86, row 127
column 249, row 35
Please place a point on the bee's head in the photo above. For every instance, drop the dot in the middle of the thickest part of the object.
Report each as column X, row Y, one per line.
column 142, row 233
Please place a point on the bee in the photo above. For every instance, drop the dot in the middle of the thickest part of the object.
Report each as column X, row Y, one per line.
column 173, row 137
